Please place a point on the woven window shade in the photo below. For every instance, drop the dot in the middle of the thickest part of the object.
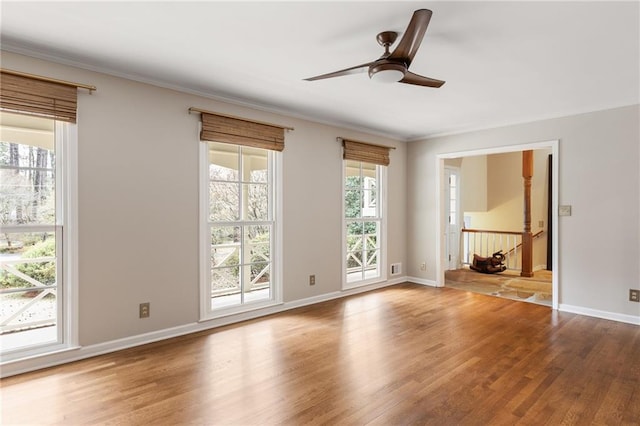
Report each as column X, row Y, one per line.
column 221, row 128
column 37, row 96
column 366, row 152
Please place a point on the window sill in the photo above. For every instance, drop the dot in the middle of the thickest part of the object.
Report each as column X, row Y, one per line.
column 358, row 284
column 239, row 310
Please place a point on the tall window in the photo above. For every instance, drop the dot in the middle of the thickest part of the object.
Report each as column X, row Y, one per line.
column 32, row 229
column 38, row 192
column 363, row 218
column 240, row 227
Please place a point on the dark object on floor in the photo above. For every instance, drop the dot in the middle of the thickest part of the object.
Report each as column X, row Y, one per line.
column 488, row 265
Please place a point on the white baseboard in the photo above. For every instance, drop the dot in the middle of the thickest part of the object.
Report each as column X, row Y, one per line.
column 25, row 365
column 613, row 316
column 422, row 281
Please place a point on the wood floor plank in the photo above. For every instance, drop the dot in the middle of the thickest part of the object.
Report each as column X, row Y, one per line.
column 407, row 354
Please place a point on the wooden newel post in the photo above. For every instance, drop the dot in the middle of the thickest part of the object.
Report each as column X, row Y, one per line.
column 527, row 236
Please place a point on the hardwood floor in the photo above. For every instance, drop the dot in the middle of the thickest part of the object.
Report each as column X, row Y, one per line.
column 508, row 284
column 407, row 354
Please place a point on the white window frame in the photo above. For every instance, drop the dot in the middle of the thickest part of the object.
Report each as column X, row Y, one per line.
column 206, row 312
column 66, row 141
column 381, row 176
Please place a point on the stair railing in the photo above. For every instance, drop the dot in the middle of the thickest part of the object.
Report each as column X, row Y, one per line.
column 484, row 242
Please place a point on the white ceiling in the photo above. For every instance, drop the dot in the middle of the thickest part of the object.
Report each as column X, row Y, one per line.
column 503, row 62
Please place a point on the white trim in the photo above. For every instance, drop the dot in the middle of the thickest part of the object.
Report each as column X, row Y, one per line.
column 553, row 144
column 423, row 281
column 596, row 313
column 67, row 355
column 70, row 251
column 277, row 259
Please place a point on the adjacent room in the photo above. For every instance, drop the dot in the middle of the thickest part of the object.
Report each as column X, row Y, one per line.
column 352, row 212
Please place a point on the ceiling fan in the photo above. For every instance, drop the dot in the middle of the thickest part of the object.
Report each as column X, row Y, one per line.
column 394, row 66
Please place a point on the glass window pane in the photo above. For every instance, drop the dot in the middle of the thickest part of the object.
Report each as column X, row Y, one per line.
column 371, row 240
column 257, row 242
column 260, row 286
column 224, row 204
column 33, row 309
column 369, row 170
column 223, row 161
column 225, row 235
column 255, row 164
column 355, row 275
column 28, row 263
column 354, row 237
column 371, row 267
column 370, row 208
column 260, row 275
column 353, row 203
column 352, row 174
column 354, row 260
column 15, row 246
column 354, row 228
column 225, row 280
column 225, row 246
column 27, row 184
column 256, row 201
column 227, row 299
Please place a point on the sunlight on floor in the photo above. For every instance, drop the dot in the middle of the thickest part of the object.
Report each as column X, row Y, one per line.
column 508, row 285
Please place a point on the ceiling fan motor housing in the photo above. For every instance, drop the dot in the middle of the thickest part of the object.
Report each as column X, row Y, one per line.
column 387, row 71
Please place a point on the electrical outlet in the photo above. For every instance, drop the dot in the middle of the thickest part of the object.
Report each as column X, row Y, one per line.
column 312, row 280
column 423, row 266
column 634, row 295
column 145, row 310
column 541, row 224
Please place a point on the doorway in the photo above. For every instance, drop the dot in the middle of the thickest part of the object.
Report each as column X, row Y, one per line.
column 447, row 242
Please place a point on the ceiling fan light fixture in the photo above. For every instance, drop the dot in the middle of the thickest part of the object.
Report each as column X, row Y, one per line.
column 387, row 72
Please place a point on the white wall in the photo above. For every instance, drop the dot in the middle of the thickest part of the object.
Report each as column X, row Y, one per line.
column 138, row 202
column 474, row 184
column 599, row 163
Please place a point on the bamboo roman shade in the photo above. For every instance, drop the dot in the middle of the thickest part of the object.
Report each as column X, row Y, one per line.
column 239, row 131
column 33, row 95
column 369, row 153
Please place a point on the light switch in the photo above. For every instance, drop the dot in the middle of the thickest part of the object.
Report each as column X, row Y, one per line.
column 564, row 211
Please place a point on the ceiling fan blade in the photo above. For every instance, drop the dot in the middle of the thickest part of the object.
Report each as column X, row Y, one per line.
column 418, row 80
column 346, row 71
column 410, row 42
